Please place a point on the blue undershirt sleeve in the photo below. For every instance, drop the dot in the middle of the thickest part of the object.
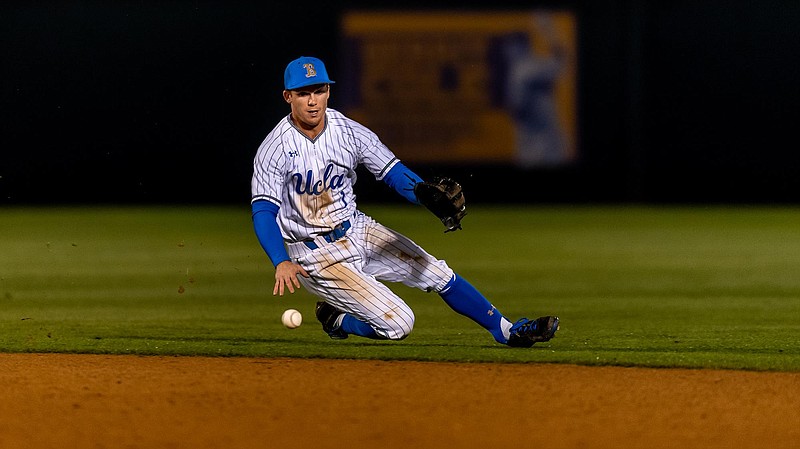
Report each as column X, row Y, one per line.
column 265, row 214
column 402, row 180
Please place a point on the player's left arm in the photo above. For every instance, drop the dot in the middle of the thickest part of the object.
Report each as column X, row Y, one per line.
column 377, row 158
column 442, row 196
column 402, row 180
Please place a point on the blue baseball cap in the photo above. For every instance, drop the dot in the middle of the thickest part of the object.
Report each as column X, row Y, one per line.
column 305, row 71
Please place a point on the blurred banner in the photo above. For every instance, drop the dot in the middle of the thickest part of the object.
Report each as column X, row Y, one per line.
column 464, row 86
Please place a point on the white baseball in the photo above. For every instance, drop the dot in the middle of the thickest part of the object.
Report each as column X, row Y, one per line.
column 292, row 318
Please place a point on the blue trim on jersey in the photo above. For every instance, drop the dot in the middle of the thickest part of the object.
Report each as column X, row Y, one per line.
column 402, row 180
column 265, row 198
column 265, row 216
column 386, row 167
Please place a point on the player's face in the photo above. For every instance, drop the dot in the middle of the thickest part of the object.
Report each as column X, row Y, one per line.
column 309, row 105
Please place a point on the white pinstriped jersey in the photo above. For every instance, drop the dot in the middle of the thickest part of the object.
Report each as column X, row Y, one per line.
column 312, row 180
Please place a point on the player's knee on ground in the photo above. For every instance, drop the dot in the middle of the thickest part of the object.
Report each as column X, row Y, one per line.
column 395, row 327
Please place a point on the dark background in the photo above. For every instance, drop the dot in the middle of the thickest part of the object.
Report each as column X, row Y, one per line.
column 167, row 102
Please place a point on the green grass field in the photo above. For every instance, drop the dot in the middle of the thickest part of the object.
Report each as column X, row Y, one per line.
column 634, row 286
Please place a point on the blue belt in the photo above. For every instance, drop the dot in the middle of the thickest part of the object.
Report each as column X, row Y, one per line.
column 338, row 232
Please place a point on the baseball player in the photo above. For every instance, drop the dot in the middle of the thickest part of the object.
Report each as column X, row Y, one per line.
column 306, row 220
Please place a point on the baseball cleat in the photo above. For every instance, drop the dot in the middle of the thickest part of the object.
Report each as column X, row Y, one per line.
column 525, row 332
column 327, row 315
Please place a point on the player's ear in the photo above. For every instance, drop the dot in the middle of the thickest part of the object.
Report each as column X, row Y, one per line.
column 287, row 96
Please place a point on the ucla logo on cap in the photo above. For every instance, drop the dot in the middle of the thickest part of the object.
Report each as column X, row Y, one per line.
column 305, row 71
column 310, row 70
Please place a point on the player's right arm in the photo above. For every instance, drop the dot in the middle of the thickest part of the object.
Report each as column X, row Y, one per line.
column 268, row 176
column 286, row 277
column 265, row 215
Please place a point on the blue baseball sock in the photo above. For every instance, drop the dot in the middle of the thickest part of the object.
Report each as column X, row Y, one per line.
column 465, row 299
column 353, row 325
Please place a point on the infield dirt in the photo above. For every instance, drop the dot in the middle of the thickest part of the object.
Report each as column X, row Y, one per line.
column 124, row 402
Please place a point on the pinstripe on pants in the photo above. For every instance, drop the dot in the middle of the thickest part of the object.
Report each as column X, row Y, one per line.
column 348, row 273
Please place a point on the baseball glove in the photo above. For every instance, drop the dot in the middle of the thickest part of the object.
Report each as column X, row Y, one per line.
column 444, row 198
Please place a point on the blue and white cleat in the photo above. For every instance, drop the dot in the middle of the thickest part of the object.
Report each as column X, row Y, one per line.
column 525, row 332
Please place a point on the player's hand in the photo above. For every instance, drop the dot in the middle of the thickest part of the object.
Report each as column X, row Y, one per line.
column 286, row 277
